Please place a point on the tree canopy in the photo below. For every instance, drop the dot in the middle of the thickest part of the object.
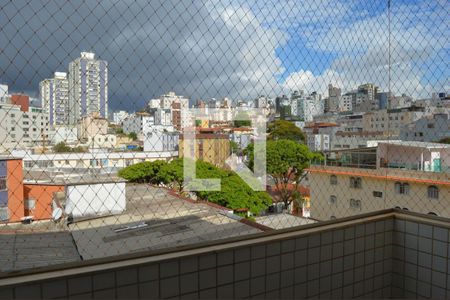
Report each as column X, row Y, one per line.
column 133, row 136
column 234, row 193
column 286, row 161
column 285, row 130
column 61, row 147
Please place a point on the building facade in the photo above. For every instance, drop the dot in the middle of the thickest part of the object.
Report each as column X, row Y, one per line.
column 54, row 95
column 22, row 129
column 88, row 87
column 427, row 129
column 138, row 123
column 404, row 175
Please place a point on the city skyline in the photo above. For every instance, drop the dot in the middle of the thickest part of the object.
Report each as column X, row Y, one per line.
column 297, row 50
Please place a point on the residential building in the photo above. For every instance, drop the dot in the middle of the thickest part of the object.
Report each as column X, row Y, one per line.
column 210, row 145
column 351, row 122
column 54, row 95
column 3, row 93
column 21, row 129
column 345, row 102
column 383, row 99
column 370, row 90
column 318, row 142
column 137, row 122
column 309, row 106
column 88, row 87
column 261, row 102
column 400, row 101
column 334, row 95
column 11, row 189
column 408, row 175
column 119, row 116
column 296, row 98
column 21, row 100
column 163, row 117
column 160, row 139
column 63, row 133
column 319, row 135
column 355, row 139
column 241, row 136
column 391, row 121
column 94, row 161
column 92, row 131
column 25, row 196
column 427, row 129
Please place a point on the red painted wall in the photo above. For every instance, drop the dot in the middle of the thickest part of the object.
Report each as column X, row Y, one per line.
column 22, row 100
column 43, row 196
column 14, row 183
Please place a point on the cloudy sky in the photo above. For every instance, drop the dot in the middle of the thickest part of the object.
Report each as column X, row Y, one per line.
column 236, row 49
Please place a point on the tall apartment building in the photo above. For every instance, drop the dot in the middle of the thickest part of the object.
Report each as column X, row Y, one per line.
column 54, row 95
column 310, row 106
column 334, row 95
column 178, row 106
column 88, row 87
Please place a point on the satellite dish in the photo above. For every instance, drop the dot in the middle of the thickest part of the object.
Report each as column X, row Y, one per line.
column 57, row 213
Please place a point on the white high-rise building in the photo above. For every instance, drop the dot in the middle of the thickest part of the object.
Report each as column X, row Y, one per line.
column 54, row 95
column 309, row 106
column 88, row 87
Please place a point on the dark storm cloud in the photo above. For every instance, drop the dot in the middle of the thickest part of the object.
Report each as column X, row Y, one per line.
column 151, row 47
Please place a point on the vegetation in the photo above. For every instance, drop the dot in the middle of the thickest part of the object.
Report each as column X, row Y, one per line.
column 132, row 135
column 119, row 130
column 242, row 123
column 286, row 161
column 285, row 130
column 234, row 193
column 61, row 147
column 234, row 147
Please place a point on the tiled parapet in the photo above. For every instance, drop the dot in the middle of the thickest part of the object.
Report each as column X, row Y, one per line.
column 375, row 256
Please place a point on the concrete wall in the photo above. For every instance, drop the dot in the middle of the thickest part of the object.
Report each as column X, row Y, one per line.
column 14, row 182
column 352, row 261
column 43, row 196
column 95, row 199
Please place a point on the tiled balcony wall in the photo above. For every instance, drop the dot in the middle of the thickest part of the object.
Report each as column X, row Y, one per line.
column 386, row 255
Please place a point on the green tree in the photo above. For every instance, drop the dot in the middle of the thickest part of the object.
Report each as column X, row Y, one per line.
column 173, row 173
column 286, row 161
column 242, row 123
column 119, row 130
column 234, row 147
column 61, row 147
column 132, row 135
column 144, row 172
column 285, row 130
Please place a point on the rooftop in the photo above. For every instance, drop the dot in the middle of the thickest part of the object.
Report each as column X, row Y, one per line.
column 425, row 145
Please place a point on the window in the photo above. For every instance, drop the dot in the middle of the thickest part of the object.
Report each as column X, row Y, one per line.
column 2, row 183
column 355, row 204
column 333, row 180
column 333, row 199
column 4, row 213
column 430, row 126
column 402, row 188
column 433, row 192
column 355, row 182
column 30, row 203
column 377, row 194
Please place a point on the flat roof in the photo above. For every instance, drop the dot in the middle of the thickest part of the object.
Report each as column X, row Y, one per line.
column 154, row 219
column 417, row 144
column 29, row 251
column 59, row 178
column 9, row 157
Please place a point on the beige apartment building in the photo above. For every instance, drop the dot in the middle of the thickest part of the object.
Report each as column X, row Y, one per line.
column 412, row 176
column 391, row 121
column 211, row 145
